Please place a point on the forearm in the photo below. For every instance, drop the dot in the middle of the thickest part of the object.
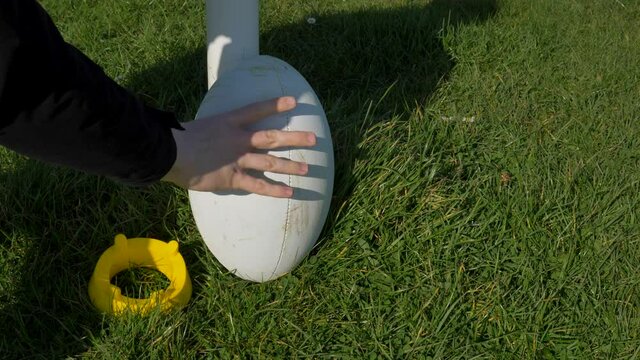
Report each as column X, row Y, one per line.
column 58, row 106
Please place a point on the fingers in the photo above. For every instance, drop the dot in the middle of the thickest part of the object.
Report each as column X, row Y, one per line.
column 260, row 110
column 242, row 181
column 271, row 139
column 273, row 164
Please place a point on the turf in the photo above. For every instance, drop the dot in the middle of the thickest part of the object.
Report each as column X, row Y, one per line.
column 485, row 206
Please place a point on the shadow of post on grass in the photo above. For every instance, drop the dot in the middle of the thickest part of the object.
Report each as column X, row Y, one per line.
column 351, row 60
column 390, row 58
column 369, row 65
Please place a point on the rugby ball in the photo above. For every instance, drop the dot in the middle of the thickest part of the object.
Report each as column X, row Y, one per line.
column 260, row 238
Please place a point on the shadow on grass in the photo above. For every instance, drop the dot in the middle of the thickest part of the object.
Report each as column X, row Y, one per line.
column 54, row 224
column 365, row 66
column 54, row 216
column 371, row 65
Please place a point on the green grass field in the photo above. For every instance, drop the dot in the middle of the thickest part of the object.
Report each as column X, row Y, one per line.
column 485, row 204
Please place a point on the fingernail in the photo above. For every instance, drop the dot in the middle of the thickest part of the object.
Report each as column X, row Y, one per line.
column 288, row 192
column 289, row 101
column 304, row 168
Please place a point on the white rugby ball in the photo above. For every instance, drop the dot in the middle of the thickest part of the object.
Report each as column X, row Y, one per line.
column 261, row 238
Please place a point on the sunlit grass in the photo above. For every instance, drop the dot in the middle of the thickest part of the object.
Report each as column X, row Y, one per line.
column 485, row 205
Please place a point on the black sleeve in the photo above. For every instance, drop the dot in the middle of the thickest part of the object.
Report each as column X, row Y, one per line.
column 58, row 106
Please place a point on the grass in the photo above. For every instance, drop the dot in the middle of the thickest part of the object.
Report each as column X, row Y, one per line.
column 140, row 282
column 486, row 196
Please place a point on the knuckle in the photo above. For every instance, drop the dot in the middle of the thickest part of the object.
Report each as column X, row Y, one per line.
column 270, row 164
column 235, row 179
column 271, row 136
column 260, row 186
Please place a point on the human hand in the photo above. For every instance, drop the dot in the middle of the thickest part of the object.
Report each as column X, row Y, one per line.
column 213, row 153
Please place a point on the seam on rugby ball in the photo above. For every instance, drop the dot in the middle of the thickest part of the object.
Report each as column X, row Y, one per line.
column 287, row 223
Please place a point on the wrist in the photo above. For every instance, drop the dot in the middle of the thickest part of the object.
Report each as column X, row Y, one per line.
column 175, row 173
